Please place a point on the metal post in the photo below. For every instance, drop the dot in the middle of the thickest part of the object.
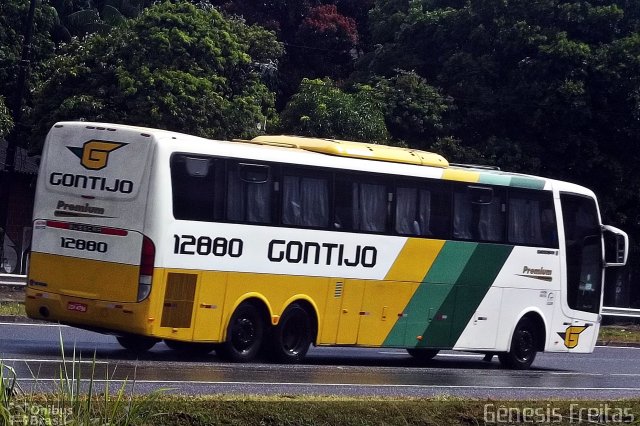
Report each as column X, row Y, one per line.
column 12, row 137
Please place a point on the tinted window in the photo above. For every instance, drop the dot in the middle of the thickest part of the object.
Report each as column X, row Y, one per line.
column 422, row 211
column 360, row 206
column 305, row 199
column 478, row 213
column 196, row 182
column 249, row 193
column 532, row 219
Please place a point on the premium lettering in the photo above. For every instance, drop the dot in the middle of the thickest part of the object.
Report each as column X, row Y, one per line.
column 536, row 271
column 83, row 208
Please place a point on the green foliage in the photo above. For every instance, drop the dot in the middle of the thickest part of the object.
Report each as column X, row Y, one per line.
column 542, row 87
column 177, row 66
column 321, row 109
column 413, row 109
column 13, row 17
column 6, row 121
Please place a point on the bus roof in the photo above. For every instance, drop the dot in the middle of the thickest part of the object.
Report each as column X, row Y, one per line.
column 368, row 151
column 335, row 153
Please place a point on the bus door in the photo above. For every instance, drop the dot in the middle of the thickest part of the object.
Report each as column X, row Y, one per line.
column 584, row 256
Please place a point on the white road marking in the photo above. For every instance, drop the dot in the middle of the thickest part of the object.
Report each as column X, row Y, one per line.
column 364, row 385
column 27, row 324
column 69, row 360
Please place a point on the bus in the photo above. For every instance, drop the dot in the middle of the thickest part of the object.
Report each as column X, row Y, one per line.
column 267, row 246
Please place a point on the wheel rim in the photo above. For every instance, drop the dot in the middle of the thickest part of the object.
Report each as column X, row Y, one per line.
column 293, row 336
column 525, row 345
column 244, row 334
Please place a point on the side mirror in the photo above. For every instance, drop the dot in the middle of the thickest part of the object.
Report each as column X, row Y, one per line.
column 616, row 246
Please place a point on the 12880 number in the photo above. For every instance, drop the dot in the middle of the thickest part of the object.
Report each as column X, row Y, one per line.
column 84, row 245
column 220, row 246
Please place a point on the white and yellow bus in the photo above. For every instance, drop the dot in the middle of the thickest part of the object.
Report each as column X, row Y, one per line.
column 281, row 242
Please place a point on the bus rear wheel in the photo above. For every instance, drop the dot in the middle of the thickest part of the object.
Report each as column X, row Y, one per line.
column 422, row 354
column 245, row 335
column 524, row 346
column 137, row 344
column 292, row 337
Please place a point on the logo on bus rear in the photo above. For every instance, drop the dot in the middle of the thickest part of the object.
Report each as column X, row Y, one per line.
column 94, row 154
column 571, row 335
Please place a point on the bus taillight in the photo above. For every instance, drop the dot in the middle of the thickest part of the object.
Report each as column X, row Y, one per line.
column 147, row 259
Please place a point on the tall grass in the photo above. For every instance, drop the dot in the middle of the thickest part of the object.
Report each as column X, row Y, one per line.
column 78, row 397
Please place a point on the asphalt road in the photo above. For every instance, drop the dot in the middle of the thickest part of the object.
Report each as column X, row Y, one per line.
column 34, row 352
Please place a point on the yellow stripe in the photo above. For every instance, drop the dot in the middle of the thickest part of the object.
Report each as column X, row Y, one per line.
column 414, row 260
column 461, row 175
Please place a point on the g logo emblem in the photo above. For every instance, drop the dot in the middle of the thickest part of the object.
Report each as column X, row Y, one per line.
column 94, row 154
column 571, row 335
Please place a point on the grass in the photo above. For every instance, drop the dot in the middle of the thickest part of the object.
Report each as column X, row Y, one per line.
column 75, row 399
column 318, row 410
column 13, row 309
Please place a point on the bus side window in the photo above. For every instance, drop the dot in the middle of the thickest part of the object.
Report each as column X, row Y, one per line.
column 360, row 206
column 478, row 214
column 305, row 200
column 423, row 211
column 194, row 187
column 413, row 212
column 249, row 193
column 531, row 219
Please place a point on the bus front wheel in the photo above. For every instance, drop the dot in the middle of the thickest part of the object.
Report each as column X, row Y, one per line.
column 135, row 343
column 245, row 335
column 291, row 338
column 524, row 345
column 422, row 354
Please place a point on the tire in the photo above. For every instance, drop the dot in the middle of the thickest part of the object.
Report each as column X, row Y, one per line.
column 422, row 354
column 523, row 348
column 137, row 344
column 190, row 348
column 245, row 335
column 291, row 338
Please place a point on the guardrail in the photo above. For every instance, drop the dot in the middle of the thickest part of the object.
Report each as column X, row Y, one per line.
column 620, row 312
column 13, row 280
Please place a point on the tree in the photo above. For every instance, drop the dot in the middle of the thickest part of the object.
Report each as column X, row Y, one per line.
column 325, row 43
column 321, row 109
column 13, row 17
column 413, row 109
column 6, row 122
column 177, row 66
column 78, row 18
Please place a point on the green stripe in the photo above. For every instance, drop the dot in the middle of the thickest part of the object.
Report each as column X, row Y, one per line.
column 495, row 179
column 473, row 284
column 431, row 294
column 451, row 292
column 525, row 182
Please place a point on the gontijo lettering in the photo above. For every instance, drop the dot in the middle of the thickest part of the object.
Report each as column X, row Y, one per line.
column 96, row 183
column 325, row 253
